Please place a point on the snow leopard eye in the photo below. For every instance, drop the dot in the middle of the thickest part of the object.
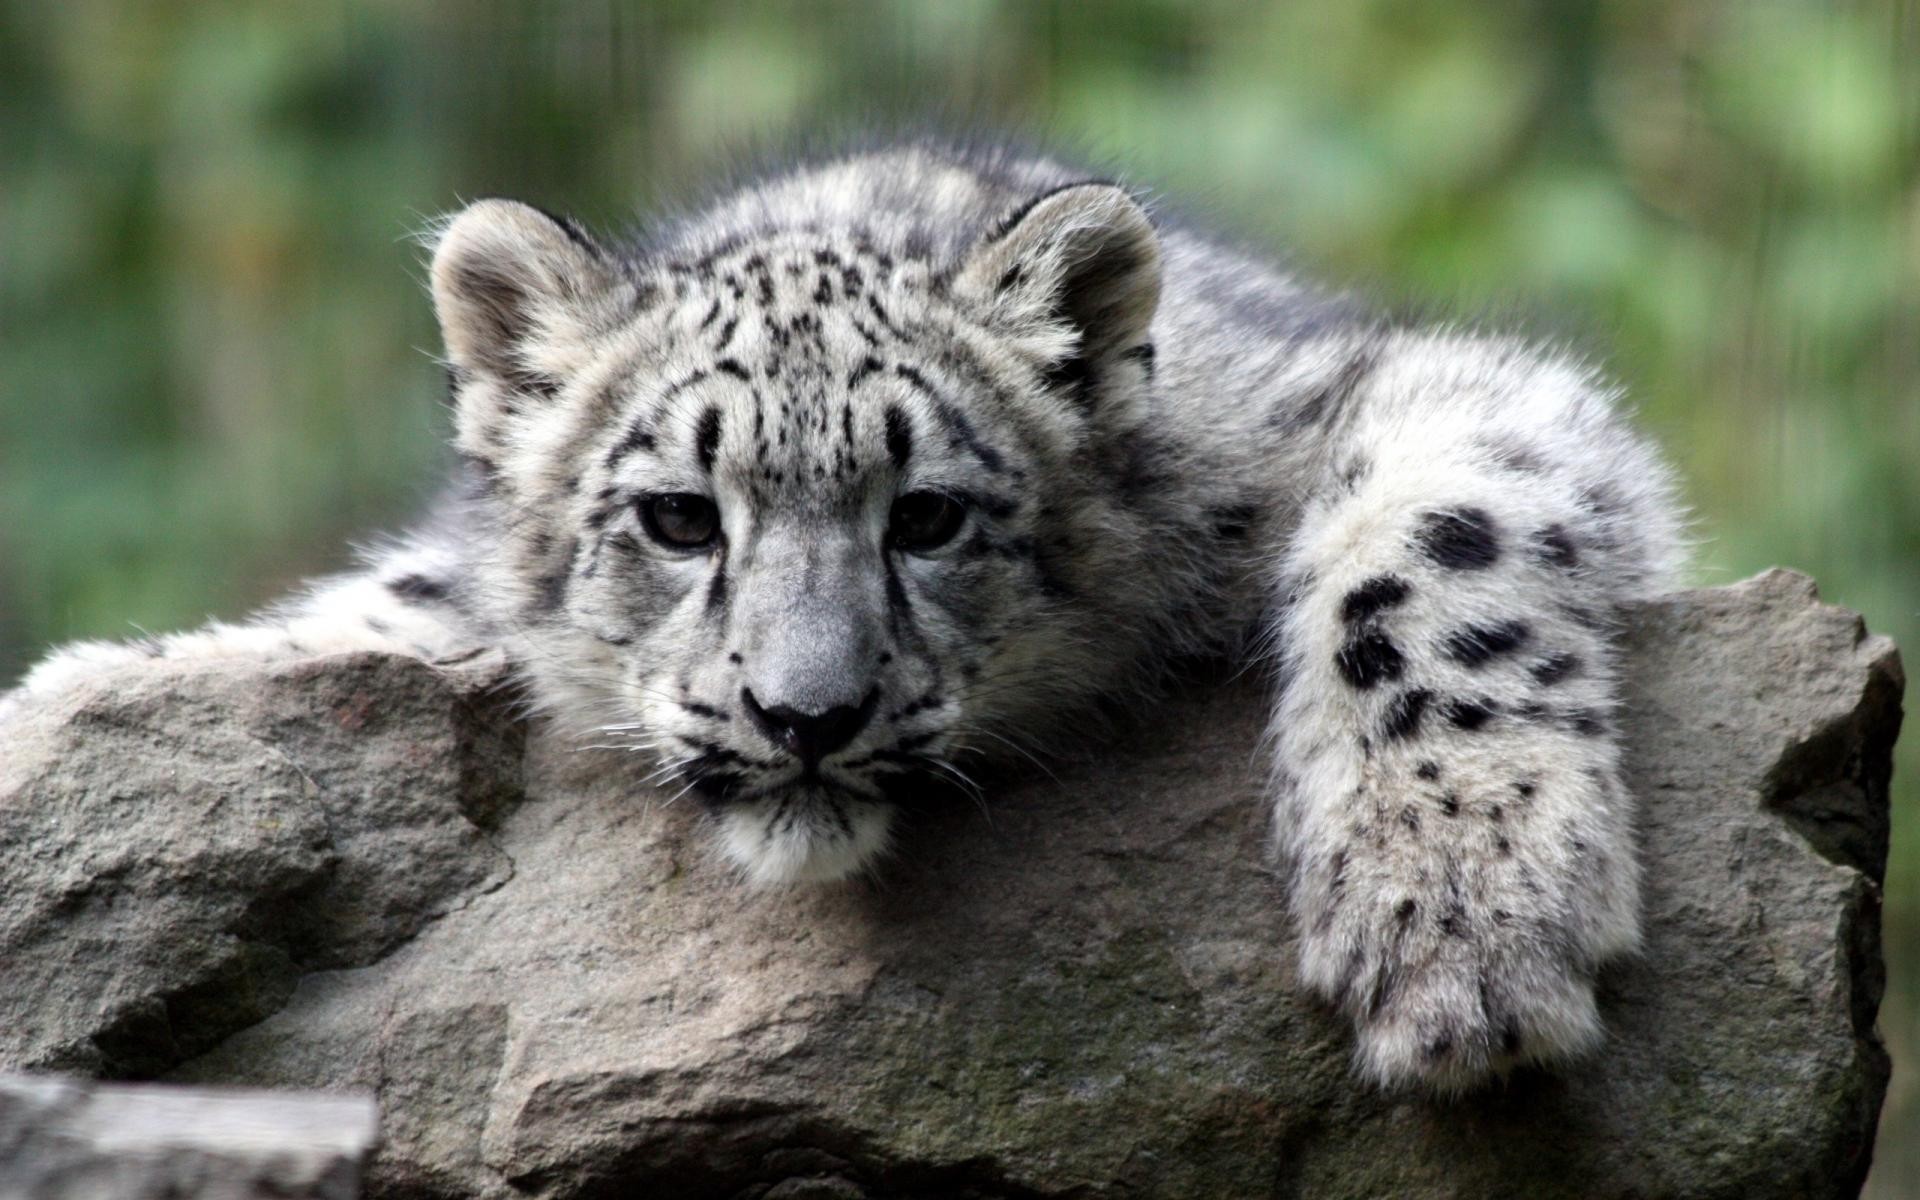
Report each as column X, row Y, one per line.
column 924, row 521
column 680, row 520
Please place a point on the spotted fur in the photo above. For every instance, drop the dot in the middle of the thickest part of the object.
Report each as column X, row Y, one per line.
column 1157, row 447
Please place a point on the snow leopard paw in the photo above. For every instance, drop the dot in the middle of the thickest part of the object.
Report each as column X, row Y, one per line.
column 1458, row 913
column 1462, row 1011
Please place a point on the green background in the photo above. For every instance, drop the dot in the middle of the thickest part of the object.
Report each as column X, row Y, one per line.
column 215, row 351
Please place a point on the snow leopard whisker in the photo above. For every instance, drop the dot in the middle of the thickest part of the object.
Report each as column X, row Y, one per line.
column 1009, row 743
column 670, row 801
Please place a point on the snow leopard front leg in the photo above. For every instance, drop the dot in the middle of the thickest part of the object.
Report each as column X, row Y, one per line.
column 1449, row 794
column 409, row 599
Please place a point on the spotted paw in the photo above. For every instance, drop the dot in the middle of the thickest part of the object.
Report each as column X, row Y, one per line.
column 1457, row 907
column 1461, row 1014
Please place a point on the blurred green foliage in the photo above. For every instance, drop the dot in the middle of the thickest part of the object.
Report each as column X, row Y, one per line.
column 215, row 354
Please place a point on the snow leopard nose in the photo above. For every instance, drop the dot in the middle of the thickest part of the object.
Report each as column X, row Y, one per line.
column 810, row 736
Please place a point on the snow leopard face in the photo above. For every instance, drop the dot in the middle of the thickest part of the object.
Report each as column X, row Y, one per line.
column 802, row 514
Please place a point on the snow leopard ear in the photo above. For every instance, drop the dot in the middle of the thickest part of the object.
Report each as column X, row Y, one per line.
column 1079, row 266
column 513, row 286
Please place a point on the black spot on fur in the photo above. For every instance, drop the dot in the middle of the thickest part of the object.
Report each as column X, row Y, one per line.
column 707, row 439
column 1525, row 789
column 1329, row 401
column 756, row 266
column 480, row 475
column 880, row 315
column 1515, row 456
column 550, row 590
column 1368, row 659
column 1403, row 717
column 1069, row 375
column 1510, row 1038
column 1450, row 804
column 1586, row 618
column 1428, row 770
column 1552, row 670
column 930, row 700
column 638, row 437
column 1405, row 909
column 1556, row 546
column 1469, row 714
column 867, row 367
column 1463, row 539
column 733, row 367
column 1587, row 722
column 644, row 297
column 1601, row 500
column 1477, row 645
column 1233, row 522
column 683, row 384
column 1000, row 508
column 899, row 437
column 960, row 431
column 418, row 587
column 1375, row 595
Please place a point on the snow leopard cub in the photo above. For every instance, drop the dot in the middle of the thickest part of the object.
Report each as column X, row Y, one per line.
column 918, row 450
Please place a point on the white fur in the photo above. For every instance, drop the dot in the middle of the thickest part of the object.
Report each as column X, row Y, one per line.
column 804, row 845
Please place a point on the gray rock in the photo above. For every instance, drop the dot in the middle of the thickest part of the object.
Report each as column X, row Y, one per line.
column 179, row 845
column 62, row 1138
column 1085, row 990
